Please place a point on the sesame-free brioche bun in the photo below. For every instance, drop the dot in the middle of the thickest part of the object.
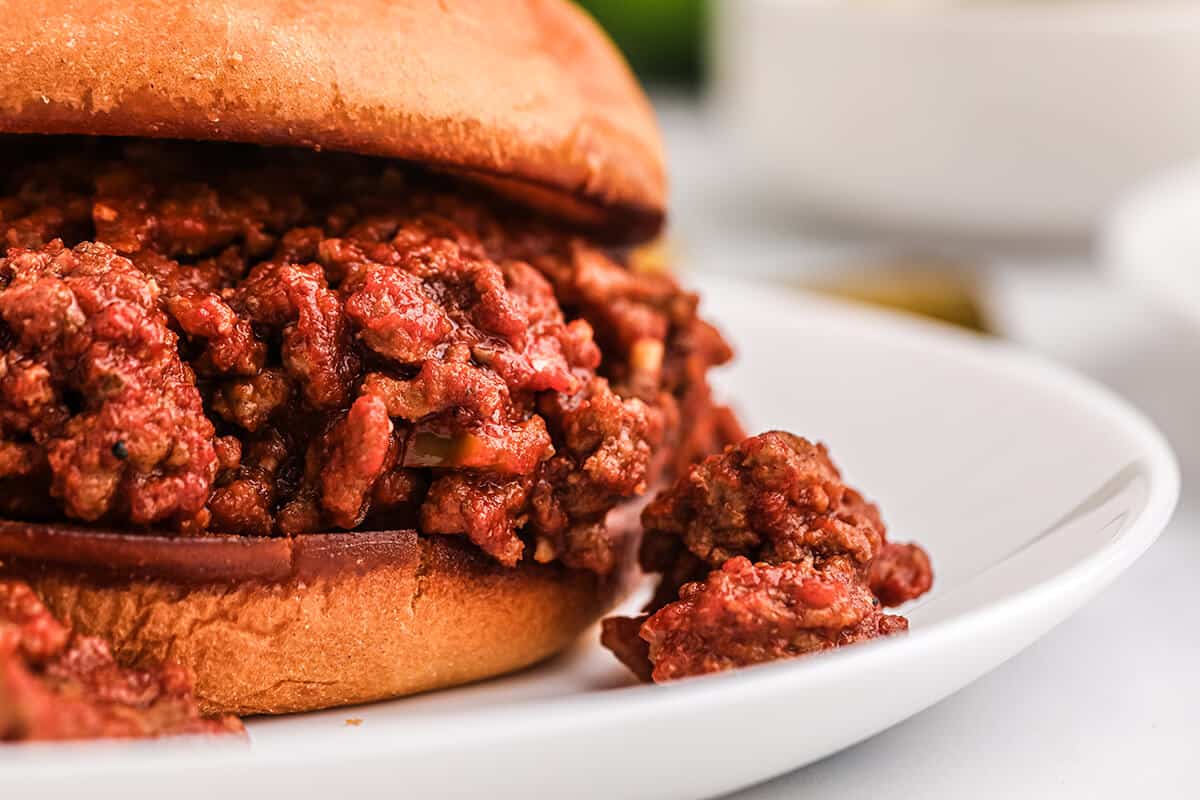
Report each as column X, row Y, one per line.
column 528, row 96
column 276, row 625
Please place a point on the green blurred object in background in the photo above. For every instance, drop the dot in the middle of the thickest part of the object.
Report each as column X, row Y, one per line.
column 663, row 39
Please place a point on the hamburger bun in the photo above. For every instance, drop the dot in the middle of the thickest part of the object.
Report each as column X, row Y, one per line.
column 315, row 621
column 529, row 97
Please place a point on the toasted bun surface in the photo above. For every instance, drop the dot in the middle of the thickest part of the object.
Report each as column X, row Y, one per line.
column 525, row 93
column 312, row 622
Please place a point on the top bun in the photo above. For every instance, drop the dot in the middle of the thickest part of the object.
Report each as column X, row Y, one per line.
column 530, row 97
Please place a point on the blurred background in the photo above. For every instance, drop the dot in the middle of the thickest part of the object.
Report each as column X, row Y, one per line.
column 1026, row 169
column 889, row 148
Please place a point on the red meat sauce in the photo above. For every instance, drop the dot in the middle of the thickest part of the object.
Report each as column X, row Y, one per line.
column 55, row 684
column 765, row 554
column 202, row 337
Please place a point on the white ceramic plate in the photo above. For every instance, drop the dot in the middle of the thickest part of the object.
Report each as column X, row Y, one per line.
column 1153, row 239
column 996, row 117
column 1031, row 487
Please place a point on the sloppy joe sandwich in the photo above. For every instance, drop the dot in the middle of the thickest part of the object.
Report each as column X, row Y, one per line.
column 322, row 369
column 329, row 372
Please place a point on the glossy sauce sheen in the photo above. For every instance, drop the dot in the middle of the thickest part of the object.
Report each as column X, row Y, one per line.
column 214, row 338
column 765, row 554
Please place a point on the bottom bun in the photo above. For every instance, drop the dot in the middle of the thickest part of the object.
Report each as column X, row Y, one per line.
column 359, row 617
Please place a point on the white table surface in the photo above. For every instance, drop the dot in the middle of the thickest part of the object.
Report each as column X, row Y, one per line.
column 1107, row 705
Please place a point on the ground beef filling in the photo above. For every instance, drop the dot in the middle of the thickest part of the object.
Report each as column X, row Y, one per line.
column 765, row 554
column 58, row 685
column 201, row 337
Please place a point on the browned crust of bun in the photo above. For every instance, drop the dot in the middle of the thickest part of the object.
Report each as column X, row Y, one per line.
column 358, row 617
column 527, row 90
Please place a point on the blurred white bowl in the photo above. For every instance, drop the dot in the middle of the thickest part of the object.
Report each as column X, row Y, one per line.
column 1000, row 118
column 1152, row 241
